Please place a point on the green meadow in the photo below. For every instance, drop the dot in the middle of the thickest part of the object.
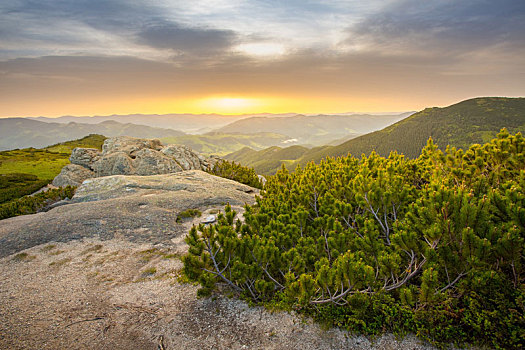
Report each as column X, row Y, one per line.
column 25, row 171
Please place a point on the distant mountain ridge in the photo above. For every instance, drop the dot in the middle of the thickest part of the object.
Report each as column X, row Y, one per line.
column 25, row 132
column 317, row 129
column 460, row 125
column 209, row 133
column 188, row 123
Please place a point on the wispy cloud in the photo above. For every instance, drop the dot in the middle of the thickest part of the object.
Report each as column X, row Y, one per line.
column 446, row 27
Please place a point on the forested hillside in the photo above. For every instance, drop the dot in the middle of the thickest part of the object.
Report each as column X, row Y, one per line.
column 268, row 160
column 433, row 245
column 461, row 125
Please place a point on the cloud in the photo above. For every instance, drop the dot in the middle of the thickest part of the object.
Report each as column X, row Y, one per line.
column 401, row 50
column 441, row 27
column 184, row 39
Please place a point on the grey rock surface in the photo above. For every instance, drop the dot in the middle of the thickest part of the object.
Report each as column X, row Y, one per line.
column 151, row 162
column 84, row 157
column 125, row 155
column 72, row 175
column 129, row 145
column 117, row 163
column 186, row 158
column 137, row 208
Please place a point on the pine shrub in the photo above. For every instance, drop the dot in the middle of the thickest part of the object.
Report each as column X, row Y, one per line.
column 433, row 245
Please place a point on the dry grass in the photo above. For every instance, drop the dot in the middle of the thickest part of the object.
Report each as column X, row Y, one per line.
column 60, row 262
column 23, row 257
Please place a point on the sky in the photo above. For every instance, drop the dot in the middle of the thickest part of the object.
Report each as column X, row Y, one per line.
column 99, row 57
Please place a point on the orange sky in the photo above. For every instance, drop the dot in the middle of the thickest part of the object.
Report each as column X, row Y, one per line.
column 232, row 57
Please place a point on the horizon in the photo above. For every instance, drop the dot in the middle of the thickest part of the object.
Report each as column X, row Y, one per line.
column 245, row 57
column 248, row 114
column 256, row 114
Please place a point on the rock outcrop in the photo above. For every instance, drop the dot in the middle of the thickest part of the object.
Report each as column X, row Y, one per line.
column 125, row 155
column 138, row 208
column 84, row 157
column 187, row 159
column 118, row 163
column 72, row 175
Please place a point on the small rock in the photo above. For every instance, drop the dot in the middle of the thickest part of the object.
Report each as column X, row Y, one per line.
column 209, row 219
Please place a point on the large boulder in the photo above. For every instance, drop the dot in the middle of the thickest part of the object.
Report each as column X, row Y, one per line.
column 183, row 155
column 125, row 155
column 151, row 162
column 84, row 157
column 129, row 145
column 72, row 175
column 118, row 163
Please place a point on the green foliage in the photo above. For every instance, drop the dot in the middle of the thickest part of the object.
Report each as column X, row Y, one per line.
column 237, row 172
column 33, row 203
column 25, row 171
column 41, row 163
column 15, row 185
column 90, row 141
column 433, row 245
column 188, row 213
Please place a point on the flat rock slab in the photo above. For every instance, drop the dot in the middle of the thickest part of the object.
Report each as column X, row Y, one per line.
column 135, row 208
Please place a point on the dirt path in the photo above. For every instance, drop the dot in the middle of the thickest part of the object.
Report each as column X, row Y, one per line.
column 115, row 294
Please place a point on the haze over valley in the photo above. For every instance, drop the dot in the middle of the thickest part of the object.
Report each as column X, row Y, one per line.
column 211, row 134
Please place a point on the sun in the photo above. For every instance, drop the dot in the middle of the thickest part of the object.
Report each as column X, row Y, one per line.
column 230, row 105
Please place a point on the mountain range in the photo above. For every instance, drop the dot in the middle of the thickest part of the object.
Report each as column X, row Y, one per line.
column 315, row 130
column 24, row 132
column 460, row 125
column 229, row 133
column 188, row 123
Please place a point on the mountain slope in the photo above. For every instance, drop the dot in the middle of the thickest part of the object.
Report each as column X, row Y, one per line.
column 267, row 161
column 460, row 125
column 222, row 144
column 23, row 132
column 315, row 130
